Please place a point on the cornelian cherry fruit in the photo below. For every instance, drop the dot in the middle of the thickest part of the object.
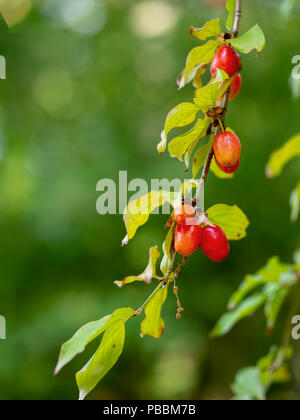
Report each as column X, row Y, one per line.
column 235, row 87
column 184, row 213
column 187, row 239
column 228, row 169
column 225, row 59
column 227, row 149
column 214, row 243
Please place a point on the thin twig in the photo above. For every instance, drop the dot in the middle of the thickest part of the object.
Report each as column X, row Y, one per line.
column 235, row 31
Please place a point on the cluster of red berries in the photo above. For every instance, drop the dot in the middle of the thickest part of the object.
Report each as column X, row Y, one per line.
column 190, row 235
column 227, row 146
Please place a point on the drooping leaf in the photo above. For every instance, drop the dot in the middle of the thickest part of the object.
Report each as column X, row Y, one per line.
column 250, row 283
column 148, row 273
column 210, row 29
column 295, row 203
column 138, row 211
column 79, row 341
column 218, row 172
column 273, row 269
column 273, row 305
column 282, row 156
column 230, row 319
column 200, row 157
column 248, row 383
column 168, row 250
column 189, row 153
column 153, row 324
column 198, row 57
column 107, row 354
column 179, row 145
column 197, row 79
column 254, row 39
column 230, row 6
column 229, row 218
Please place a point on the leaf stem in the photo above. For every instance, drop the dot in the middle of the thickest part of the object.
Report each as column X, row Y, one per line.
column 162, row 282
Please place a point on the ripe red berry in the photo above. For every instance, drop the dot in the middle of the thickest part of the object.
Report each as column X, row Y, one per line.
column 235, row 87
column 184, row 213
column 225, row 59
column 228, row 169
column 187, row 239
column 227, row 148
column 214, row 243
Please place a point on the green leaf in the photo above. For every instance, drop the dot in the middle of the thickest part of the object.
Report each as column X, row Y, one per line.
column 198, row 57
column 107, row 354
column 138, row 211
column 79, row 341
column 179, row 145
column 273, row 269
column 282, row 156
column 230, row 6
column 231, row 219
column 149, row 272
column 200, row 157
column 273, row 306
column 250, row 283
column 206, row 97
column 296, row 256
column 218, row 172
column 210, row 29
column 189, row 153
column 168, row 251
column 248, row 383
column 230, row 319
column 254, row 39
column 153, row 324
column 295, row 203
column 281, row 374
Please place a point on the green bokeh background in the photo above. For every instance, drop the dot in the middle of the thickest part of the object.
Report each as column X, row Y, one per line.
column 83, row 101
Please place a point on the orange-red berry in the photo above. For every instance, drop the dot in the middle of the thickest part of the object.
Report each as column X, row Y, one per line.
column 214, row 243
column 225, row 59
column 184, row 214
column 227, row 148
column 235, row 87
column 187, row 239
column 228, row 169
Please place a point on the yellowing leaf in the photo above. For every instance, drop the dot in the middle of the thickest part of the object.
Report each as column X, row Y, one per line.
column 153, row 324
column 79, row 341
column 254, row 39
column 179, row 145
column 200, row 157
column 231, row 219
column 107, row 354
column 149, row 272
column 138, row 211
column 200, row 56
column 168, row 251
column 210, row 29
column 282, row 156
column 218, row 172
column 206, row 97
column 182, row 115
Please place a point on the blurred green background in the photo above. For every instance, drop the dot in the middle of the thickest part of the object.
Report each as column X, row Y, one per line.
column 89, row 83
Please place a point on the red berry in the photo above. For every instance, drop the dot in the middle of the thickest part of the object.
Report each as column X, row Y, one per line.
column 227, row 148
column 187, row 239
column 228, row 169
column 214, row 243
column 225, row 59
column 235, row 87
column 184, row 213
